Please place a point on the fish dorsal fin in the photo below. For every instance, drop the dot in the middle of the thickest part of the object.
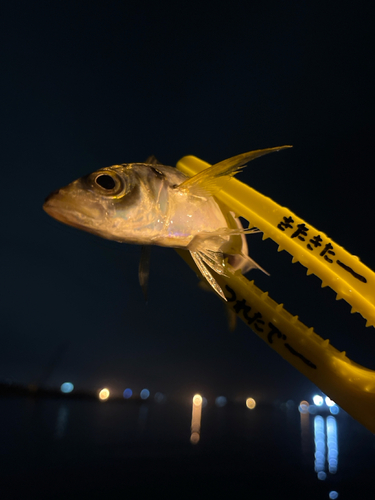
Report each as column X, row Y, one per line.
column 212, row 179
column 151, row 160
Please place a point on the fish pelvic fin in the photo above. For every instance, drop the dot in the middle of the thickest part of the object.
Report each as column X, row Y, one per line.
column 200, row 260
column 205, row 258
column 212, row 179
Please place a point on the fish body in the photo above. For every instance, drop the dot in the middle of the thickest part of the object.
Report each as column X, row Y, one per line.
column 153, row 204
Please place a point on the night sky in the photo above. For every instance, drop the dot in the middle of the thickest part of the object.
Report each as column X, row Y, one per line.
column 89, row 84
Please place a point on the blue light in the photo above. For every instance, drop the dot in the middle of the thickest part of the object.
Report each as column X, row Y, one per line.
column 159, row 397
column 303, row 407
column 334, row 410
column 127, row 393
column 145, row 393
column 333, row 495
column 332, row 444
column 290, row 404
column 320, row 447
column 66, row 387
column 221, row 401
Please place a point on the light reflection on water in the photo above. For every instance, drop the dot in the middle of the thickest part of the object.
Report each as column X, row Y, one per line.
column 196, row 418
column 61, row 421
column 257, row 440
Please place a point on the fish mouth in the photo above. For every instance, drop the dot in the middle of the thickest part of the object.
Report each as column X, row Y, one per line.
column 69, row 209
column 57, row 207
column 50, row 196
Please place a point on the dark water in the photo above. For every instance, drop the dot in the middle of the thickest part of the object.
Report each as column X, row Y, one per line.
column 87, row 449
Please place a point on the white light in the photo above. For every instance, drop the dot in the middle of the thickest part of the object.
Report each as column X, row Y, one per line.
column 329, row 401
column 318, row 400
column 66, row 387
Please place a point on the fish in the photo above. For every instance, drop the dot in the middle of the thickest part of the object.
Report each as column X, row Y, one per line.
column 154, row 204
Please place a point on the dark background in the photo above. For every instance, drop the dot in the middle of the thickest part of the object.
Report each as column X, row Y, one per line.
column 88, row 84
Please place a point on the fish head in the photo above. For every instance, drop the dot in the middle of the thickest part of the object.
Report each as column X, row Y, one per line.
column 103, row 202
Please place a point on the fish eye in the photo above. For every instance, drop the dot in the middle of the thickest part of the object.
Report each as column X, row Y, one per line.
column 105, row 181
column 109, row 183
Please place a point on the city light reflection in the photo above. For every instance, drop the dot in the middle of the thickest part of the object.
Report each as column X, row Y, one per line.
column 127, row 393
column 251, row 403
column 305, row 426
column 326, row 444
column 318, row 400
column 159, row 397
column 220, row 401
column 332, row 445
column 313, row 409
column 104, row 394
column 320, row 446
column 66, row 387
column 334, row 410
column 329, row 401
column 196, row 417
column 303, row 407
column 145, row 393
column 61, row 421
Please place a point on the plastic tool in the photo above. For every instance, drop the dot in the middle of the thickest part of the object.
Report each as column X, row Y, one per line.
column 349, row 384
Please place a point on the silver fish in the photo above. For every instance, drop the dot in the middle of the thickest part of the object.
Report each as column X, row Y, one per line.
column 152, row 204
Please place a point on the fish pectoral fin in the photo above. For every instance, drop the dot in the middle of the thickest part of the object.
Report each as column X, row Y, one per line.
column 144, row 269
column 201, row 265
column 212, row 179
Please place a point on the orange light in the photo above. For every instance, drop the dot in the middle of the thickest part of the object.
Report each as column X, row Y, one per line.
column 104, row 394
column 250, row 403
column 196, row 417
column 197, row 400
